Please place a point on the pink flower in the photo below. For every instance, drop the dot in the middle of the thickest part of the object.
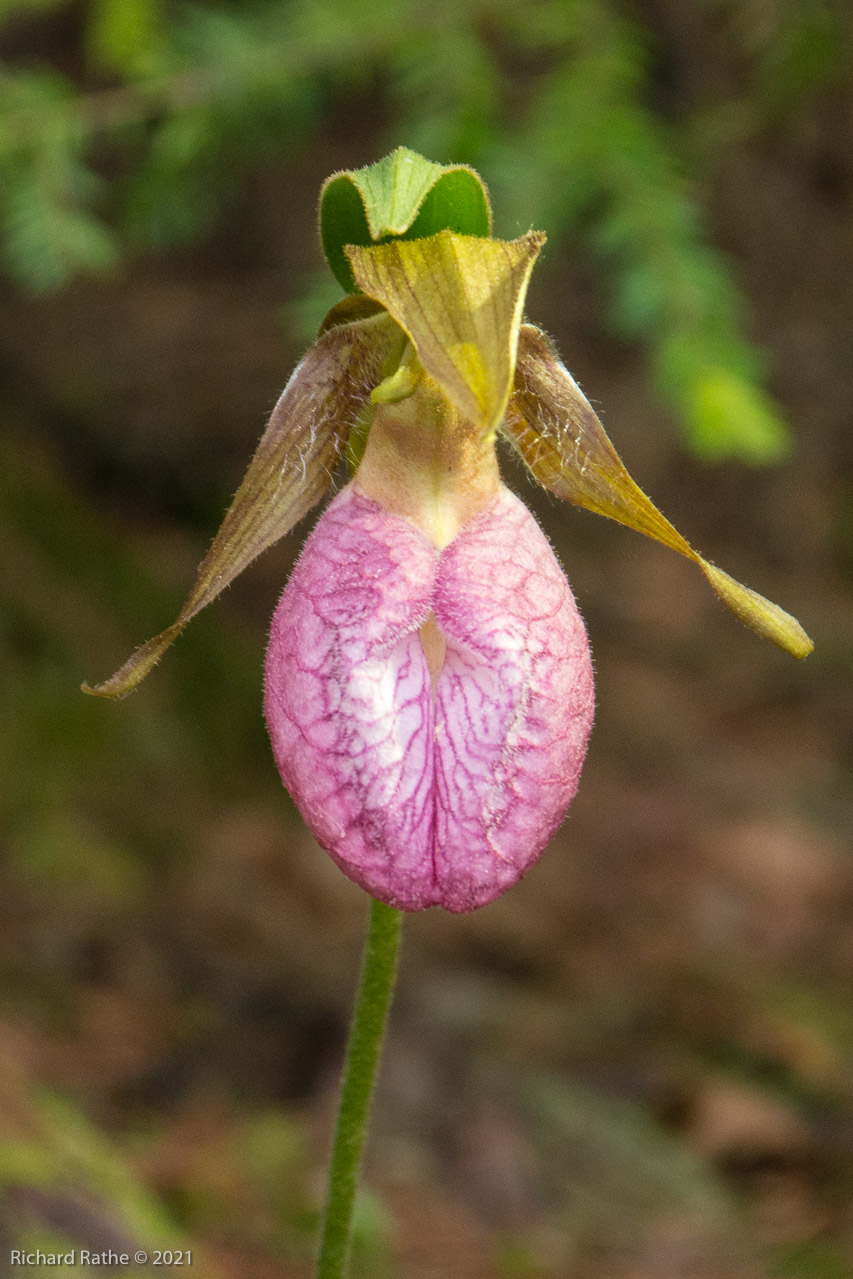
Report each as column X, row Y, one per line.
column 429, row 786
column 428, row 682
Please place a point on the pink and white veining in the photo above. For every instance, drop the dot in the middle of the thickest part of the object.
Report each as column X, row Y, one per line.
column 429, row 791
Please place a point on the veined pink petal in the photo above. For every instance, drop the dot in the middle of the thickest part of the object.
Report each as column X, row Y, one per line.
column 429, row 796
column 514, row 703
column 348, row 701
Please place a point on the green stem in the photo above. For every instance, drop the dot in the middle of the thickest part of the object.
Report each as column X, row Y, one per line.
column 375, row 988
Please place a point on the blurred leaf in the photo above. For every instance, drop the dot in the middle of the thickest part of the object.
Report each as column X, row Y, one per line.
column 613, row 1155
column 455, row 114
column 61, row 857
column 47, row 244
column 48, row 232
column 725, row 411
column 177, row 195
column 121, row 33
column 8, row 7
column 810, row 1259
column 795, row 47
column 370, row 1231
column 62, row 1181
column 809, row 51
column 728, row 417
column 516, row 1258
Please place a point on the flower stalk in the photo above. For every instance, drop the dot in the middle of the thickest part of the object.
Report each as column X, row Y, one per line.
column 367, row 1031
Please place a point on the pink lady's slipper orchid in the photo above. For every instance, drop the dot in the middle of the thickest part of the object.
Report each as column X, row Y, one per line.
column 429, row 691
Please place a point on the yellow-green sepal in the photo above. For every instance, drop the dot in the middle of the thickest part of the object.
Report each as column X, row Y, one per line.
column 460, row 299
column 402, row 196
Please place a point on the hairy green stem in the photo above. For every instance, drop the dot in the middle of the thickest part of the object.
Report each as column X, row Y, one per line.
column 375, row 989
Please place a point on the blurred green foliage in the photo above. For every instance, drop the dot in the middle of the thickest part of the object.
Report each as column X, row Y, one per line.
column 63, row 1185
column 560, row 104
column 813, row 1259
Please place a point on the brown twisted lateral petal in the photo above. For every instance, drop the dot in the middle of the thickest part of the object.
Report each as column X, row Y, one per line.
column 555, row 429
column 290, row 471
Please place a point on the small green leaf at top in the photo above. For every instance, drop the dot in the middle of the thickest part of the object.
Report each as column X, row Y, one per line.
column 402, row 196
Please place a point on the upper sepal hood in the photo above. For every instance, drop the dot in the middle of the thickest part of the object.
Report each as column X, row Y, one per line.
column 290, row 471
column 566, row 449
